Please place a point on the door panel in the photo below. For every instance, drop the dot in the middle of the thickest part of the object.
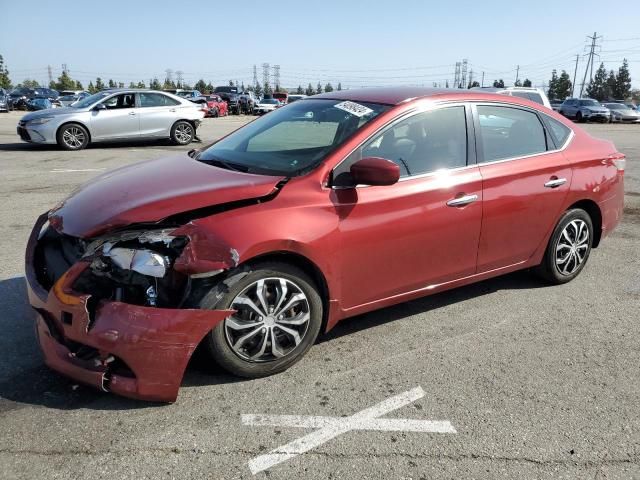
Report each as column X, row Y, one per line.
column 405, row 237
column 119, row 120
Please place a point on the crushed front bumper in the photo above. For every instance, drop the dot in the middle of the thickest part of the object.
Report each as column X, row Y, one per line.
column 135, row 351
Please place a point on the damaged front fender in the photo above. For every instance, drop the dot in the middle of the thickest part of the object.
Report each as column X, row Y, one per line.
column 204, row 254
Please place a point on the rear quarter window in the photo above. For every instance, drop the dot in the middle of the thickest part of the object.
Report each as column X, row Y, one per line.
column 559, row 131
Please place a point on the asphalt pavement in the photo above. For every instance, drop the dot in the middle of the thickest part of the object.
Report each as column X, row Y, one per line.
column 504, row 379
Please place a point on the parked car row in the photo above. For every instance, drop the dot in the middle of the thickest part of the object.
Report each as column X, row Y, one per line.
column 587, row 109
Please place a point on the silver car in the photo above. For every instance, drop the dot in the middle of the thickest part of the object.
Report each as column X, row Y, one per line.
column 622, row 113
column 113, row 115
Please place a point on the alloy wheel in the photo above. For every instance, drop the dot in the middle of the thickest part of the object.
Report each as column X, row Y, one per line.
column 572, row 247
column 73, row 137
column 272, row 317
column 184, row 133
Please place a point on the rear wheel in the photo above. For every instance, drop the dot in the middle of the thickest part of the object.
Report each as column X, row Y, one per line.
column 182, row 132
column 72, row 136
column 278, row 317
column 569, row 247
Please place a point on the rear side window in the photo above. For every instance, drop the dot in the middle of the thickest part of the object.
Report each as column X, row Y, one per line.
column 156, row 100
column 559, row 131
column 507, row 132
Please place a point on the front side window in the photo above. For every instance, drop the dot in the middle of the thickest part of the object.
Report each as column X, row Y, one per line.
column 125, row 100
column 423, row 143
column 507, row 132
column 148, row 99
column 292, row 140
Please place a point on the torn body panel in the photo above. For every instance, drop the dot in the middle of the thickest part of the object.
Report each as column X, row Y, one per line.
column 133, row 350
column 204, row 253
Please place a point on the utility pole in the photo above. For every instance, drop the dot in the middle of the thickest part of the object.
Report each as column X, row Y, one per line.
column 255, row 76
column 482, row 82
column 517, row 75
column 463, row 75
column 64, row 69
column 50, row 73
column 276, row 76
column 265, row 74
column 592, row 53
column 575, row 72
column 470, row 78
column 456, row 75
column 179, row 76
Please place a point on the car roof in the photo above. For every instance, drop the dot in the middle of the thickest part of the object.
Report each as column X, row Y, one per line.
column 398, row 95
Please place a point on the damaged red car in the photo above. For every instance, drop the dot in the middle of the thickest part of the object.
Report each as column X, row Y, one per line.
column 327, row 208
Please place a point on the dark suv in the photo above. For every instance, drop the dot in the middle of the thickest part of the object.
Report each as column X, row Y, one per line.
column 19, row 97
column 231, row 95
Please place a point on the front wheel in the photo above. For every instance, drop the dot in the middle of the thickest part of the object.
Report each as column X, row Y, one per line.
column 278, row 317
column 72, row 136
column 569, row 247
column 182, row 132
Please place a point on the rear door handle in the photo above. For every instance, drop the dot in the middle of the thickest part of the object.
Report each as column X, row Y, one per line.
column 555, row 182
column 462, row 201
column 132, row 113
column 172, row 110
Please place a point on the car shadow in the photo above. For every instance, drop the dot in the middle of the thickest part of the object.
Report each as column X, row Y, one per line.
column 522, row 279
column 25, row 380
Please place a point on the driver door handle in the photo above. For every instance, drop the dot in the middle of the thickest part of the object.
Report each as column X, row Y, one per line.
column 555, row 182
column 132, row 113
column 462, row 201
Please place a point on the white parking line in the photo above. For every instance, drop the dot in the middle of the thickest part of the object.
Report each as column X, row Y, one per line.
column 331, row 427
column 72, row 170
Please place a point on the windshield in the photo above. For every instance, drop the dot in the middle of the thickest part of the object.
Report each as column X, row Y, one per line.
column 291, row 140
column 88, row 101
column 20, row 91
column 270, row 100
column 227, row 89
column 589, row 103
column 184, row 94
column 616, row 106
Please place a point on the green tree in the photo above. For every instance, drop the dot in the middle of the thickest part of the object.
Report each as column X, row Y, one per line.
column 5, row 81
column 319, row 88
column 518, row 83
column 132, row 85
column 79, row 85
column 91, row 88
column 339, row 86
column 553, row 86
column 328, row 87
column 623, row 81
column 258, row 90
column 598, row 88
column 200, row 86
column 64, row 82
column 498, row 83
column 266, row 89
column 141, row 84
column 231, row 83
column 309, row 91
column 27, row 83
column 526, row 83
column 120, row 84
column 242, row 89
column 155, row 84
column 474, row 84
column 299, row 90
column 209, row 87
column 563, row 86
column 169, row 83
column 612, row 86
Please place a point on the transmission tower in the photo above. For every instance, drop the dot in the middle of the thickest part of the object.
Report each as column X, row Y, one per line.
column 463, row 78
column 265, row 74
column 592, row 53
column 255, row 76
column 50, row 73
column 470, row 78
column 179, row 77
column 456, row 76
column 276, row 76
column 65, row 69
column 169, row 75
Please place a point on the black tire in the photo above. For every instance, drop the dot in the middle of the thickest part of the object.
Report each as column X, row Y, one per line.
column 72, row 136
column 549, row 269
column 182, row 133
column 215, row 113
column 579, row 117
column 222, row 295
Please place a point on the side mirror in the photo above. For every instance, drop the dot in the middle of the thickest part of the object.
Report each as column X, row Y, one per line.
column 375, row 171
column 100, row 106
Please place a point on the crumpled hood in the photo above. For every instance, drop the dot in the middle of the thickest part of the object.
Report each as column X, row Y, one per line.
column 150, row 191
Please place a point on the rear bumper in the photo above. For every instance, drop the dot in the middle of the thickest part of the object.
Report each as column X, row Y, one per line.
column 135, row 351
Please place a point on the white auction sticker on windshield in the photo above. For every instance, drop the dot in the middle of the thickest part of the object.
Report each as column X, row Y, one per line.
column 354, row 108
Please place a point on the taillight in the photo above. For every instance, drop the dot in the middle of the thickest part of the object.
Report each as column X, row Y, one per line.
column 619, row 161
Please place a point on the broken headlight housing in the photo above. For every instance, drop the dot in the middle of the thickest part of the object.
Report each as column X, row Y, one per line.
column 135, row 267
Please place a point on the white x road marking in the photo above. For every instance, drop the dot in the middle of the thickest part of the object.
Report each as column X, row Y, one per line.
column 331, row 427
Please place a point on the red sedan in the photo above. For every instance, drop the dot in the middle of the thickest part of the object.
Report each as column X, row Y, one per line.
column 327, row 208
column 217, row 106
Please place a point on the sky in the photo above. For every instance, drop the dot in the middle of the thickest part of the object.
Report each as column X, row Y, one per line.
column 357, row 43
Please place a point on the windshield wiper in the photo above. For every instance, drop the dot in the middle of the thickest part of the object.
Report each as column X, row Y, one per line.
column 216, row 162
